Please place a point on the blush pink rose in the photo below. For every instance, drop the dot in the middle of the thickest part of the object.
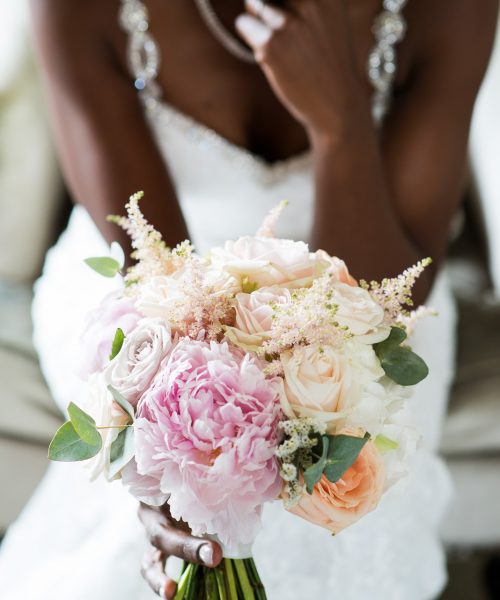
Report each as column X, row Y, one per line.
column 114, row 312
column 336, row 267
column 335, row 506
column 266, row 261
column 254, row 315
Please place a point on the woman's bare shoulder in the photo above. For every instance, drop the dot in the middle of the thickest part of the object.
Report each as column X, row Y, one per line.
column 73, row 21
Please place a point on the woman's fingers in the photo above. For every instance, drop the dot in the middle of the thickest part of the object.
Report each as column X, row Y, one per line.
column 255, row 33
column 165, row 535
column 153, row 571
column 271, row 16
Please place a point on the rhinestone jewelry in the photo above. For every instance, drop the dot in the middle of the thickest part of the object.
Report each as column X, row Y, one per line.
column 389, row 29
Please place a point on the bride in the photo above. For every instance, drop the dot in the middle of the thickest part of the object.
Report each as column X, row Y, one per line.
column 357, row 112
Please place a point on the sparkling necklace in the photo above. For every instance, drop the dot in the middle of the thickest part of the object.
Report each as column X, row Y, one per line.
column 225, row 37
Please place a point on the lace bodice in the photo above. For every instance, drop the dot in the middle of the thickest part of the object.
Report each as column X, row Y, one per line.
column 222, row 186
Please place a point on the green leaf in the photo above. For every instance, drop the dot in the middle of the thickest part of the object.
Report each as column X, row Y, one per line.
column 84, row 425
column 395, row 339
column 385, row 444
column 67, row 446
column 122, row 451
column 104, row 265
column 119, row 399
column 342, row 453
column 313, row 473
column 117, row 343
column 404, row 366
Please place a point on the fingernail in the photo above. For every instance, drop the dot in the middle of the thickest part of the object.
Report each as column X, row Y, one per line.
column 206, row 554
column 169, row 590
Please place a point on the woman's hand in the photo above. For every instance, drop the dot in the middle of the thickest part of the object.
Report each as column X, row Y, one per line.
column 306, row 53
column 168, row 537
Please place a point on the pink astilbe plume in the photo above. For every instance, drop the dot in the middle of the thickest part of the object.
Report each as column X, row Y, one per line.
column 153, row 256
column 395, row 295
column 310, row 318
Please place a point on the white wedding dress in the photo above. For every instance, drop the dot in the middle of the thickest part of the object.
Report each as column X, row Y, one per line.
column 82, row 541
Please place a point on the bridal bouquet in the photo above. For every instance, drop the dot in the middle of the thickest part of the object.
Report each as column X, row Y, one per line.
column 257, row 373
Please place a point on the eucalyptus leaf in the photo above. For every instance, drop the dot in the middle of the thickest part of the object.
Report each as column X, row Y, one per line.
column 84, row 425
column 104, row 265
column 125, row 404
column 117, row 343
column 404, row 366
column 313, row 473
column 67, row 446
column 342, row 453
column 395, row 339
column 122, row 451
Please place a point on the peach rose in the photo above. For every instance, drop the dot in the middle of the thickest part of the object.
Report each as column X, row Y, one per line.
column 264, row 261
column 318, row 383
column 336, row 267
column 335, row 506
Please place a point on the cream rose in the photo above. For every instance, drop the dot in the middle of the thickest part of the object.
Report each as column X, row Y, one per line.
column 359, row 313
column 99, row 404
column 319, row 383
column 254, row 315
column 335, row 506
column 266, row 261
column 139, row 359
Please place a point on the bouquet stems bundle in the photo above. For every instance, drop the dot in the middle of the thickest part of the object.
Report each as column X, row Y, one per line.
column 233, row 579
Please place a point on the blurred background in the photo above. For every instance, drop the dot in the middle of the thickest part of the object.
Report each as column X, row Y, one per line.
column 34, row 206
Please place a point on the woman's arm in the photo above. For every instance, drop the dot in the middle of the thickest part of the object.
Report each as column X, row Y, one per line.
column 381, row 203
column 104, row 143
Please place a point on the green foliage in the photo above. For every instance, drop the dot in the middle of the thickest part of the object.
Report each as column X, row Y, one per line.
column 400, row 363
column 342, row 454
column 125, row 404
column 104, row 265
column 385, row 444
column 68, row 446
column 314, row 473
column 338, row 454
column 122, row 451
column 117, row 343
column 84, row 425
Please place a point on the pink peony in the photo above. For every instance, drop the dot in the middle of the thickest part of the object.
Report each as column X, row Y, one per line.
column 114, row 312
column 207, row 432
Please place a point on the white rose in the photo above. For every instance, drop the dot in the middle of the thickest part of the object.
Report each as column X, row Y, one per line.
column 99, row 404
column 159, row 294
column 319, row 383
column 140, row 358
column 363, row 360
column 359, row 313
column 266, row 261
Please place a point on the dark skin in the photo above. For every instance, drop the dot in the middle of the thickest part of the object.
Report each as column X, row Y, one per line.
column 309, row 89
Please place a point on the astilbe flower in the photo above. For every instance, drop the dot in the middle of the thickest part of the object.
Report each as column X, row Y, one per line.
column 310, row 318
column 395, row 294
column 195, row 301
column 207, row 432
column 153, row 256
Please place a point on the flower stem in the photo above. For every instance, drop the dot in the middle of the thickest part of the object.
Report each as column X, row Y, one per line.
column 246, row 586
column 232, row 592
